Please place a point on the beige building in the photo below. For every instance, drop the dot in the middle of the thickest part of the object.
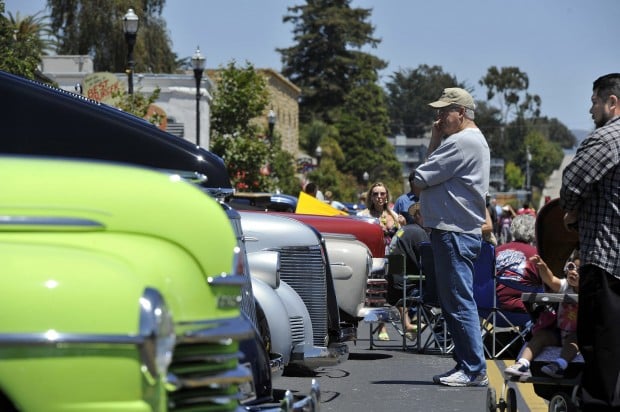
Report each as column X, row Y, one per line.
column 178, row 97
column 284, row 98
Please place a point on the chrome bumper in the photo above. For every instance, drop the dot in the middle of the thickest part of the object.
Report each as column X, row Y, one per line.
column 313, row 357
column 379, row 314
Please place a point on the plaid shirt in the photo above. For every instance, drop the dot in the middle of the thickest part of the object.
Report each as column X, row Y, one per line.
column 591, row 186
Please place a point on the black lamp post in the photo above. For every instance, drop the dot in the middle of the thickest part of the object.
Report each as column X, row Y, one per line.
column 528, row 176
column 365, row 177
column 130, row 27
column 318, row 152
column 198, row 64
column 271, row 120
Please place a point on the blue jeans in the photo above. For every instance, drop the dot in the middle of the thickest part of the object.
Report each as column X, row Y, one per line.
column 455, row 254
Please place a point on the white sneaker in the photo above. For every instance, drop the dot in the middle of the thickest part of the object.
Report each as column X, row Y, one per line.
column 437, row 378
column 517, row 369
column 460, row 378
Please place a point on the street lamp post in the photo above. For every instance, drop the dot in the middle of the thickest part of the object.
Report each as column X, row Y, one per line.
column 362, row 197
column 528, row 175
column 318, row 152
column 198, row 64
column 271, row 121
column 130, row 27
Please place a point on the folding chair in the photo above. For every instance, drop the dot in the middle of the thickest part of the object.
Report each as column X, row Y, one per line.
column 402, row 266
column 432, row 335
column 495, row 320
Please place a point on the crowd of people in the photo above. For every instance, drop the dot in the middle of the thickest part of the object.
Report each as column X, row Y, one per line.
column 452, row 211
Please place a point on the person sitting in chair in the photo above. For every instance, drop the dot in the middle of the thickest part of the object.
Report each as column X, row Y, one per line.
column 514, row 270
column 562, row 332
column 406, row 242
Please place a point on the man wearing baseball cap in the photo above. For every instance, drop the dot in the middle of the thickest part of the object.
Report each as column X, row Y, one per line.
column 452, row 185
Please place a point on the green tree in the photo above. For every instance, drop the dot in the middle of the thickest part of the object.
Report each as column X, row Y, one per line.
column 555, row 131
column 137, row 104
column 488, row 119
column 339, row 85
column 546, row 156
column 363, row 128
column 510, row 85
column 325, row 61
column 514, row 176
column 95, row 28
column 240, row 96
column 408, row 93
column 254, row 163
column 22, row 42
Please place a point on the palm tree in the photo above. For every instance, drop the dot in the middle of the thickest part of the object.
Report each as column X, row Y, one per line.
column 34, row 30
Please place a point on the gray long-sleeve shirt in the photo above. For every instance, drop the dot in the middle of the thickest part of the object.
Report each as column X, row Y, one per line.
column 454, row 182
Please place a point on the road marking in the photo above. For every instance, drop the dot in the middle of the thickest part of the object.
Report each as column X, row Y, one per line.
column 527, row 400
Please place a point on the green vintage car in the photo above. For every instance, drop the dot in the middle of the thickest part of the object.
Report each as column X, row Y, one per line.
column 113, row 299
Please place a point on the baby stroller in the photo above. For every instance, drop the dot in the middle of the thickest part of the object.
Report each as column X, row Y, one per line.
column 555, row 245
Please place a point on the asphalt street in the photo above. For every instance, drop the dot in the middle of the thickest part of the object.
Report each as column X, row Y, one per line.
column 387, row 379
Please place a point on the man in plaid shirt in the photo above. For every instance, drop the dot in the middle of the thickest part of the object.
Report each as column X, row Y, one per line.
column 590, row 197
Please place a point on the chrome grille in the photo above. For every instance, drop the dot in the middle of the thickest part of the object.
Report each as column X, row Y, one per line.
column 303, row 268
column 205, row 372
column 297, row 329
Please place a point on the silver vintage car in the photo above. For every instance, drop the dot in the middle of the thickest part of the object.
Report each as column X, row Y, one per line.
column 294, row 289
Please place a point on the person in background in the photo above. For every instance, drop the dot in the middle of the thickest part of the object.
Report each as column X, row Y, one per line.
column 378, row 207
column 404, row 201
column 513, row 265
column 563, row 332
column 452, row 185
column 313, row 190
column 526, row 210
column 590, row 198
column 505, row 220
column 407, row 242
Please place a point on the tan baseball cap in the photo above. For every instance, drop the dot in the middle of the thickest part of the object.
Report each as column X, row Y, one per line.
column 454, row 95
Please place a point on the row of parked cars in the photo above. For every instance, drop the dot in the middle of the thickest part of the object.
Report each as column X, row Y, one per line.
column 132, row 284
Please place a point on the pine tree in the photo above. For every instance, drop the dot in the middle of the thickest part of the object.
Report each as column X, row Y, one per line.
column 339, row 83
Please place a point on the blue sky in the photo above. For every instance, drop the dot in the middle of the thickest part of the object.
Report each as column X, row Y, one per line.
column 563, row 45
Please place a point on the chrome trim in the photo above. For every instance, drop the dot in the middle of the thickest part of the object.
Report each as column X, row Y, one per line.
column 379, row 314
column 313, row 357
column 227, row 280
column 310, row 403
column 239, row 375
column 55, row 221
column 219, row 193
column 218, row 331
column 276, row 364
column 156, row 324
column 51, row 337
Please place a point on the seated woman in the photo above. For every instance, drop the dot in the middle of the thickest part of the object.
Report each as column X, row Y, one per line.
column 406, row 242
column 563, row 332
column 514, row 270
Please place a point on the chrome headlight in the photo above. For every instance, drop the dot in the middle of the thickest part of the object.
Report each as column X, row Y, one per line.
column 157, row 329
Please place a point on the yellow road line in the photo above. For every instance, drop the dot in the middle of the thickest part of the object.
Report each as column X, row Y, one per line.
column 533, row 402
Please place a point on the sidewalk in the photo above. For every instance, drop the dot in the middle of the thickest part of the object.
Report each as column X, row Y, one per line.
column 553, row 184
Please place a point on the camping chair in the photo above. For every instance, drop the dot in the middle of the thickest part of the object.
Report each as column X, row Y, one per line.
column 495, row 320
column 432, row 335
column 401, row 265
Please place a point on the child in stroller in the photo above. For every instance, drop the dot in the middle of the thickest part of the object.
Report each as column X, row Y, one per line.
column 563, row 331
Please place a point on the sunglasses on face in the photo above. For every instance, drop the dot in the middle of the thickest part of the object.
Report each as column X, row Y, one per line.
column 382, row 194
column 446, row 110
